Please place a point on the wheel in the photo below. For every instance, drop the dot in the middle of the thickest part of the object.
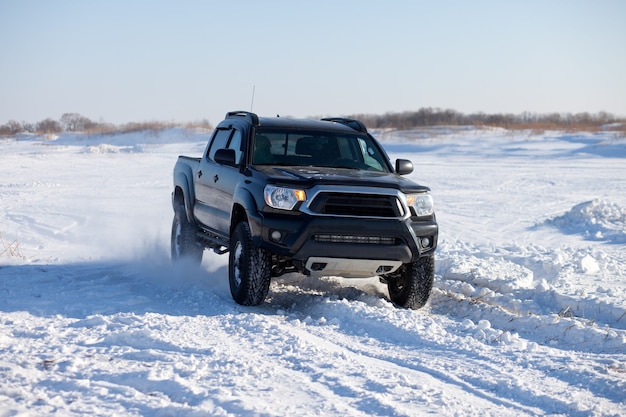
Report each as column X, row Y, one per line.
column 184, row 245
column 411, row 285
column 249, row 268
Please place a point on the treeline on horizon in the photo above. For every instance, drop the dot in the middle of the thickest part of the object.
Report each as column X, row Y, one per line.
column 74, row 122
column 424, row 117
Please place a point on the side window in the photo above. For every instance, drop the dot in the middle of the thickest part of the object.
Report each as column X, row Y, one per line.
column 235, row 143
column 219, row 142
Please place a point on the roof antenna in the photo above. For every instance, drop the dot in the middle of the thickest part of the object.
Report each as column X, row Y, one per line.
column 252, row 102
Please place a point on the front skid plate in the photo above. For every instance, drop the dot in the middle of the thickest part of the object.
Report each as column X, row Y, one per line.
column 350, row 268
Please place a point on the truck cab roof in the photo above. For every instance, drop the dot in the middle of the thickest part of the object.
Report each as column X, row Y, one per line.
column 331, row 124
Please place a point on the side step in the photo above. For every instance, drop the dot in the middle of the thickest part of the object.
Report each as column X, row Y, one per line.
column 212, row 241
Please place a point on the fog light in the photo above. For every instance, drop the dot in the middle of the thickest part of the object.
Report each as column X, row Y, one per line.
column 276, row 235
column 425, row 242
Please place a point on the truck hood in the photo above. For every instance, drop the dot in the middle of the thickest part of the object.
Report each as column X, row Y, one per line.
column 308, row 176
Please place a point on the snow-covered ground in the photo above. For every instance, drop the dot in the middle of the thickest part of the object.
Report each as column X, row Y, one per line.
column 527, row 316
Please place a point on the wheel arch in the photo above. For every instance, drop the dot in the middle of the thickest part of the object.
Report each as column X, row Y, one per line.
column 183, row 194
column 238, row 215
column 245, row 208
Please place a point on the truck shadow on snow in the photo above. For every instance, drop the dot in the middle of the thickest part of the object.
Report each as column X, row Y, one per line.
column 83, row 289
column 79, row 290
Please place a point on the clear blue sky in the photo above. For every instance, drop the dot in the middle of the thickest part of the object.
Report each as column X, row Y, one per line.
column 121, row 61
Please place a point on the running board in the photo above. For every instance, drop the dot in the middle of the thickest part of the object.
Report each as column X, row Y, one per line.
column 217, row 243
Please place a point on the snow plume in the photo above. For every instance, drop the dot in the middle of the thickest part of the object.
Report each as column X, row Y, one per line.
column 594, row 220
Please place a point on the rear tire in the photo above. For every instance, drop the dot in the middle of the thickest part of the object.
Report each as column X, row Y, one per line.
column 184, row 245
column 411, row 285
column 249, row 268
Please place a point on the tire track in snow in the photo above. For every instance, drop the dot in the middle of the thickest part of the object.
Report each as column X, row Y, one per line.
column 444, row 347
column 424, row 385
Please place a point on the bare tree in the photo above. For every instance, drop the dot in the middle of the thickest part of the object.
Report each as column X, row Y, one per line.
column 74, row 122
column 11, row 128
column 29, row 127
column 48, row 126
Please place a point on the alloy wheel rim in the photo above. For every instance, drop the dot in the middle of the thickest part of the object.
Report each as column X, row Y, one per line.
column 237, row 264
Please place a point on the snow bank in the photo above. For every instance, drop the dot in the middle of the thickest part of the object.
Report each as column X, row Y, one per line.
column 594, row 220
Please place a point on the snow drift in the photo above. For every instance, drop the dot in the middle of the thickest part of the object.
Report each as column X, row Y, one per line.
column 595, row 220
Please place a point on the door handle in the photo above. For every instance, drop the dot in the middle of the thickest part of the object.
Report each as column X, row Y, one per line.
column 216, row 178
column 200, row 174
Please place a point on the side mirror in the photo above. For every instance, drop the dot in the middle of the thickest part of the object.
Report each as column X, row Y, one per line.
column 403, row 166
column 225, row 157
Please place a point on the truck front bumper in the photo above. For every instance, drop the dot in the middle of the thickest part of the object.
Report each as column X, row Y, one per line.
column 349, row 247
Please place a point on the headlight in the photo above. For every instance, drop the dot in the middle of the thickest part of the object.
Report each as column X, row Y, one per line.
column 422, row 204
column 282, row 197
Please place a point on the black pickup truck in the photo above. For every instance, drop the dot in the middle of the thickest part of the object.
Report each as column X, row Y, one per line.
column 318, row 197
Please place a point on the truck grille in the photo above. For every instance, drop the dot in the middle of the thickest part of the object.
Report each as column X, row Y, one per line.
column 358, row 205
column 371, row 240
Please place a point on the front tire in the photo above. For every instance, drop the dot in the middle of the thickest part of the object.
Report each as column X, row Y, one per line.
column 184, row 245
column 410, row 287
column 249, row 268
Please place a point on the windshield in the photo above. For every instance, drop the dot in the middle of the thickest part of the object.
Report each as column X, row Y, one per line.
column 318, row 149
